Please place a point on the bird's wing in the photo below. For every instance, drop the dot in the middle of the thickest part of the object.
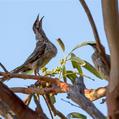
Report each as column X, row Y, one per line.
column 36, row 54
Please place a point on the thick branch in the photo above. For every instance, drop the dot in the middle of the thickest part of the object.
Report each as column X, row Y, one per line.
column 55, row 81
column 5, row 111
column 95, row 94
column 85, row 104
column 37, row 90
column 61, row 87
column 91, row 94
column 75, row 92
column 111, row 25
column 23, row 112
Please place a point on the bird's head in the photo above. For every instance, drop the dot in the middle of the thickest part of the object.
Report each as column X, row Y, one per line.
column 93, row 45
column 37, row 26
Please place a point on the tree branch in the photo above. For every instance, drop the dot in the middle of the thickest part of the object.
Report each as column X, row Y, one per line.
column 39, row 109
column 75, row 92
column 5, row 111
column 3, row 67
column 91, row 94
column 85, row 104
column 111, row 25
column 23, row 112
column 48, row 106
column 87, row 11
column 63, row 85
column 37, row 90
column 55, row 111
column 95, row 94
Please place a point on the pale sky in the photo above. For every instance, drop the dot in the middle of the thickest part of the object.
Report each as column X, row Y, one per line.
column 62, row 18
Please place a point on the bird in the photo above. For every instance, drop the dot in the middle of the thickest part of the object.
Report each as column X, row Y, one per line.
column 98, row 62
column 44, row 51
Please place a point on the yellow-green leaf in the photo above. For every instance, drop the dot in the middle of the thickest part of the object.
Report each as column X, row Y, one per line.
column 91, row 69
column 71, row 75
column 64, row 72
column 77, row 60
column 81, row 45
column 77, row 66
column 76, row 116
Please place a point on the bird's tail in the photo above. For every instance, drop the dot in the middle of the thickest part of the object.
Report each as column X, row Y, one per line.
column 20, row 69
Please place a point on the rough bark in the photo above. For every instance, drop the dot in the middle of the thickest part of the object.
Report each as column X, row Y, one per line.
column 22, row 112
column 76, row 95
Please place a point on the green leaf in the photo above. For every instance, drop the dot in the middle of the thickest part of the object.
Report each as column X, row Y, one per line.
column 81, row 45
column 61, row 44
column 64, row 72
column 91, row 69
column 76, row 116
column 84, row 64
column 71, row 75
column 76, row 59
column 77, row 66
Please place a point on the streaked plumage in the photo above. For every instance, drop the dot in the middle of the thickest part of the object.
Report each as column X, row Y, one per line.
column 99, row 64
column 43, row 52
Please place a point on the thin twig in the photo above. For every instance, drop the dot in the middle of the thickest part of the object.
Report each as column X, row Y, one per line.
column 55, row 111
column 3, row 67
column 27, row 100
column 48, row 106
column 70, row 103
column 38, row 105
column 91, row 20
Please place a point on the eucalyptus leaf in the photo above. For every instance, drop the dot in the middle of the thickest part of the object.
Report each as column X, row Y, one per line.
column 77, row 66
column 75, row 115
column 82, row 44
column 64, row 72
column 71, row 75
column 91, row 69
column 61, row 44
column 77, row 60
column 85, row 64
